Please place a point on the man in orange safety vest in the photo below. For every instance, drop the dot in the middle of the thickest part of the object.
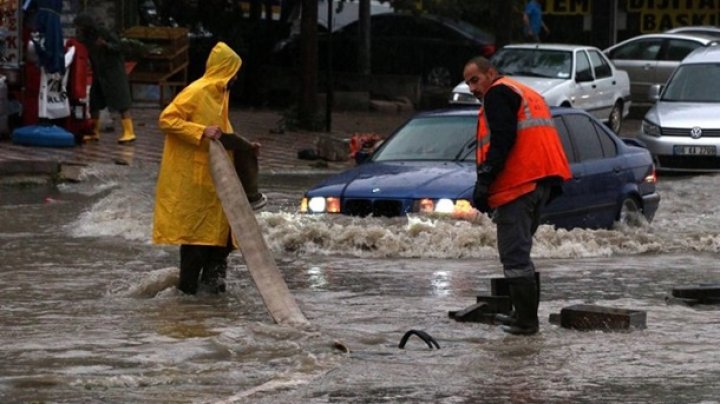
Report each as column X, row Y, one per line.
column 519, row 169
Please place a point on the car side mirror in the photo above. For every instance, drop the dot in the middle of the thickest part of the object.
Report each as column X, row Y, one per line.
column 362, row 157
column 654, row 92
column 583, row 76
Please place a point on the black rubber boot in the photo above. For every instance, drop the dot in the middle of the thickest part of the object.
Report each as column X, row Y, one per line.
column 511, row 318
column 191, row 263
column 524, row 296
column 506, row 319
column 214, row 277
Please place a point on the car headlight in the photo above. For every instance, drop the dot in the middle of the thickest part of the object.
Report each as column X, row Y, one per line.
column 320, row 204
column 651, row 129
column 443, row 205
column 463, row 98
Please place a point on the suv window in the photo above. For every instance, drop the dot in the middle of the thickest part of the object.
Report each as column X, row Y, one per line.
column 677, row 49
column 434, row 30
column 382, row 26
column 601, row 66
column 584, row 137
column 642, row 49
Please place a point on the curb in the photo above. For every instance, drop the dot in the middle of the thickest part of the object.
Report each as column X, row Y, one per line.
column 29, row 167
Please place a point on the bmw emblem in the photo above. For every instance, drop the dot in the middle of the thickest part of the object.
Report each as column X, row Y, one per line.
column 375, row 190
column 695, row 132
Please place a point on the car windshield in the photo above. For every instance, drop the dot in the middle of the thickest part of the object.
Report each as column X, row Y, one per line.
column 534, row 62
column 694, row 83
column 446, row 138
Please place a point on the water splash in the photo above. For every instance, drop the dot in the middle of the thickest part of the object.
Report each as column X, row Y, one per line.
column 151, row 284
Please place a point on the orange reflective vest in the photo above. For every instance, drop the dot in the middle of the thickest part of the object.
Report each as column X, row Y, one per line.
column 537, row 152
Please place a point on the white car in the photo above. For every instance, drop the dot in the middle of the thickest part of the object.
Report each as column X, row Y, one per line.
column 566, row 75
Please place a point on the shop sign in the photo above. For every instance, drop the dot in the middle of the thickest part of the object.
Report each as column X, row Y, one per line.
column 10, row 33
column 568, row 7
column 661, row 15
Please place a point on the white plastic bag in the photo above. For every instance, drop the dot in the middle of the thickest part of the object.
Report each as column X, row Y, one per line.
column 53, row 98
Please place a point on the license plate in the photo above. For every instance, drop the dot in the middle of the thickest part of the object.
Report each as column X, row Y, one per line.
column 694, row 150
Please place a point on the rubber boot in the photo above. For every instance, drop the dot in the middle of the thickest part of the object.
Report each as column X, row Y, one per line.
column 128, row 134
column 511, row 318
column 213, row 277
column 95, row 136
column 524, row 296
column 191, row 263
column 506, row 319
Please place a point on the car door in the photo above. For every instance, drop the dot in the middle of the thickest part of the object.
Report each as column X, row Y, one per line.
column 585, row 94
column 639, row 59
column 598, row 190
column 605, row 84
column 566, row 211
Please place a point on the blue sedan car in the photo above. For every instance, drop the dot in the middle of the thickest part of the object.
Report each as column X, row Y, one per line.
column 428, row 166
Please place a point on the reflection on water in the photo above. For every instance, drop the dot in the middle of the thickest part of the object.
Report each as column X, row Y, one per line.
column 89, row 313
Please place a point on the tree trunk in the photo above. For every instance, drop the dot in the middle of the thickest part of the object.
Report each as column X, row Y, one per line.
column 307, row 106
column 364, row 51
column 509, row 15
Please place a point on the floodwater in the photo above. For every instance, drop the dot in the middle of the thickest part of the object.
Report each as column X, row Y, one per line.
column 88, row 312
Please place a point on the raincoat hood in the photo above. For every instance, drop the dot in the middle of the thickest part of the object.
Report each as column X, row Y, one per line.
column 222, row 64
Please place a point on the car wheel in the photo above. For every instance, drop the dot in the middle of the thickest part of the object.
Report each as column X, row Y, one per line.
column 439, row 76
column 631, row 213
column 615, row 119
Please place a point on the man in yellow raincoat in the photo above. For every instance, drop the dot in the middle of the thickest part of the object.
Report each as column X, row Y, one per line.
column 187, row 209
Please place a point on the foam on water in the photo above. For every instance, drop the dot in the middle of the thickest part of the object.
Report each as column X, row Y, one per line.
column 152, row 283
column 125, row 213
column 684, row 222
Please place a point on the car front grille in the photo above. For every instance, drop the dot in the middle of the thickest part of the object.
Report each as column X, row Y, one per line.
column 685, row 132
column 376, row 207
column 690, row 162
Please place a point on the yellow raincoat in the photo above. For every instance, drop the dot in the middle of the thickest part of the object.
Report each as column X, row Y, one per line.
column 187, row 209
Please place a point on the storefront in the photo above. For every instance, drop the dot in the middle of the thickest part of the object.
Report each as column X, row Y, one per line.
column 605, row 22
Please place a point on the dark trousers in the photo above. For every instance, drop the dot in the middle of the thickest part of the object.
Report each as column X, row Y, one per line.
column 208, row 263
column 517, row 222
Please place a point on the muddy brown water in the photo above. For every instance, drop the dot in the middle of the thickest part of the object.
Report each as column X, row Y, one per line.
column 88, row 312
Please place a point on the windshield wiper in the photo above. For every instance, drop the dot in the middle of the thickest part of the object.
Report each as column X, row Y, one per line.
column 466, row 150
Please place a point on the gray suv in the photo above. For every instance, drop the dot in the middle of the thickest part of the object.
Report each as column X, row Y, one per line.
column 650, row 59
column 682, row 129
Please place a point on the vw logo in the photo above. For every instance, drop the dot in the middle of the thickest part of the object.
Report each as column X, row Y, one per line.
column 695, row 132
column 375, row 190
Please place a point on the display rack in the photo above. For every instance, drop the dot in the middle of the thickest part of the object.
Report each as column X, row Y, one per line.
column 165, row 63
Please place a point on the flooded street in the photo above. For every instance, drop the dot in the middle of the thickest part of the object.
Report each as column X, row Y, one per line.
column 89, row 312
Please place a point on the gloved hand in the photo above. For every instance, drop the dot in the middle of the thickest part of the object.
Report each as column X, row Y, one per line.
column 480, row 197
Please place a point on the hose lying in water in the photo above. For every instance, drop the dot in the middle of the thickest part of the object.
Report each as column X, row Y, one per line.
column 262, row 267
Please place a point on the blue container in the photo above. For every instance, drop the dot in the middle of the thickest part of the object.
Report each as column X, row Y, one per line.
column 45, row 136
